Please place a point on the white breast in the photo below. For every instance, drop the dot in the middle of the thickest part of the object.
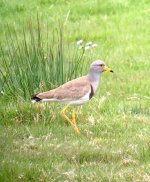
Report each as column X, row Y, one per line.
column 95, row 85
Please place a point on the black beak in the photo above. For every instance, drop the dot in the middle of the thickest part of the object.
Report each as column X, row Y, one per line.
column 111, row 71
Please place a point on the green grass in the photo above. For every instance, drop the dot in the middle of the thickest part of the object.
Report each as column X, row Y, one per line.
column 36, row 144
column 31, row 64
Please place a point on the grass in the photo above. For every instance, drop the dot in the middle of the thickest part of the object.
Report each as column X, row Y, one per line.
column 36, row 144
column 38, row 55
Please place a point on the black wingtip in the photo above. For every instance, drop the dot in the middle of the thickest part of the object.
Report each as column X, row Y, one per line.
column 35, row 98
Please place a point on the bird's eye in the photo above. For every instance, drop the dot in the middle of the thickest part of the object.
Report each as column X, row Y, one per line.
column 101, row 65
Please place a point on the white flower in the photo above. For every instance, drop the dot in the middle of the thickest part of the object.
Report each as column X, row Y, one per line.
column 79, row 42
column 2, row 92
column 94, row 45
column 89, row 43
column 87, row 47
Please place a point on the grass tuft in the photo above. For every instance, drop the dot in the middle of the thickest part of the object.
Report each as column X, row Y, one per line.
column 38, row 62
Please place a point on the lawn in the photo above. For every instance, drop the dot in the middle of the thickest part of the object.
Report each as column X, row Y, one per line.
column 36, row 143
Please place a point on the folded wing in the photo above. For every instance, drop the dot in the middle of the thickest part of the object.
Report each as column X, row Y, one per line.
column 73, row 89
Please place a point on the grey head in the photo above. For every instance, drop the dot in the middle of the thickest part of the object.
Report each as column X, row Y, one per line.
column 96, row 68
column 99, row 66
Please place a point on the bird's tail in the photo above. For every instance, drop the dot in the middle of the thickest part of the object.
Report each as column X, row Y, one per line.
column 35, row 98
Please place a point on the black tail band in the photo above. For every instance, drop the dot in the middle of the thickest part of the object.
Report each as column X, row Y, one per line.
column 35, row 98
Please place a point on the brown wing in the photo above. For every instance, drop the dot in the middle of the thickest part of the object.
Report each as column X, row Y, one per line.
column 73, row 89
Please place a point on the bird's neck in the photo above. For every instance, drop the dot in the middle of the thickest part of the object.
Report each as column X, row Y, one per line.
column 94, row 79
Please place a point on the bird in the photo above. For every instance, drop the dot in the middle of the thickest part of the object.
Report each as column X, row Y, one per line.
column 75, row 92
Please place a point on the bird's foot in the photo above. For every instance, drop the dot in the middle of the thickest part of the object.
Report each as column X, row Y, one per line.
column 76, row 129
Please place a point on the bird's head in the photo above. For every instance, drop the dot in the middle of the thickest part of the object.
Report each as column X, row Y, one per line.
column 99, row 67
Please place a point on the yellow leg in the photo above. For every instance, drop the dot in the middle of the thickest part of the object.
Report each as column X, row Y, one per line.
column 65, row 108
column 64, row 115
column 73, row 122
column 74, row 116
